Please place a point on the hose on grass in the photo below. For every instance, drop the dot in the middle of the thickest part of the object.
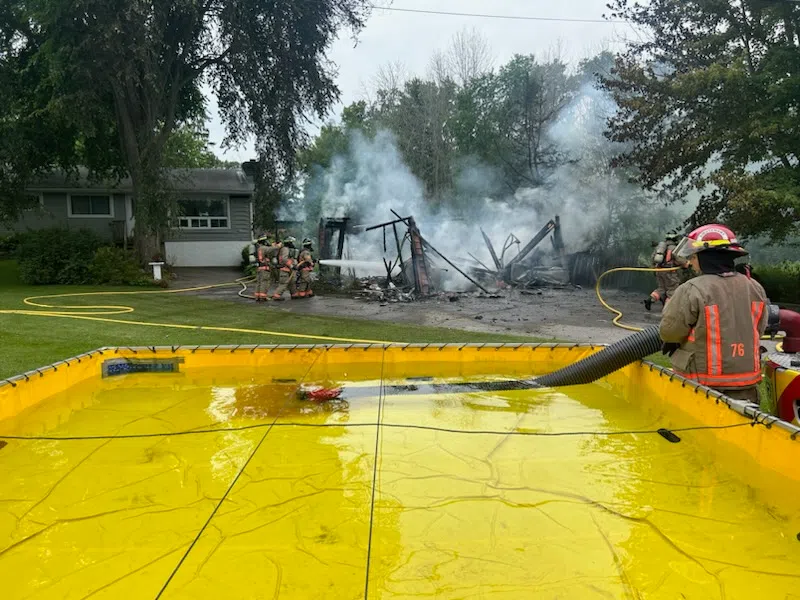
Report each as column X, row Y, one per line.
column 103, row 313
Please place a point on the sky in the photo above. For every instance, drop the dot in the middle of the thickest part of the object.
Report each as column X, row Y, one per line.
column 412, row 38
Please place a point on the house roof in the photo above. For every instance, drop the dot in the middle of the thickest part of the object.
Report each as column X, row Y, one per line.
column 212, row 181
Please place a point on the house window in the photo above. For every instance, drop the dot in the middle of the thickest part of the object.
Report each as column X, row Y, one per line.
column 90, row 206
column 203, row 214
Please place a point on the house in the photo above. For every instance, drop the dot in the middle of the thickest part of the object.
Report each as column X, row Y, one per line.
column 214, row 224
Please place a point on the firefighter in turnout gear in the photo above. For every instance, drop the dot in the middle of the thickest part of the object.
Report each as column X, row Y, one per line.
column 274, row 272
column 287, row 261
column 262, row 272
column 668, row 281
column 304, row 268
column 713, row 325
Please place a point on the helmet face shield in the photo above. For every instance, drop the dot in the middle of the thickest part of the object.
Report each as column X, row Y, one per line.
column 688, row 247
column 685, row 249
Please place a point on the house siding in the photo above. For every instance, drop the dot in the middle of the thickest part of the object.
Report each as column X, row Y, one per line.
column 99, row 225
column 41, row 217
column 184, row 247
column 212, row 247
column 238, row 219
column 54, row 212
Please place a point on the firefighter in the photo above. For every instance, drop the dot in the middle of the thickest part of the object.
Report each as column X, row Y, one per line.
column 304, row 267
column 262, row 272
column 274, row 271
column 712, row 327
column 668, row 282
column 287, row 260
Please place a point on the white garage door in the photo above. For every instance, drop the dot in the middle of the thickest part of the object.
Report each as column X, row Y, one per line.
column 205, row 254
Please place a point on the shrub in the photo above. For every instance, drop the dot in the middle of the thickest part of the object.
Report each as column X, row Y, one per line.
column 781, row 281
column 56, row 256
column 8, row 244
column 115, row 266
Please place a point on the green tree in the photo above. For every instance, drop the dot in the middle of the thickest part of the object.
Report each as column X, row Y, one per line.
column 37, row 134
column 504, row 118
column 332, row 143
column 443, row 129
column 533, row 96
column 189, row 148
column 708, row 101
column 419, row 115
column 333, row 139
column 145, row 59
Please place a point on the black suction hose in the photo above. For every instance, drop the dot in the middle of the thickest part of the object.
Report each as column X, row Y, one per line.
column 610, row 359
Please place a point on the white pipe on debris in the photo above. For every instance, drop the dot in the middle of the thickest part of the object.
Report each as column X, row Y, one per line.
column 363, row 267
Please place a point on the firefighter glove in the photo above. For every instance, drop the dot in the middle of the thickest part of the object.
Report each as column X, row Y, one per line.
column 668, row 348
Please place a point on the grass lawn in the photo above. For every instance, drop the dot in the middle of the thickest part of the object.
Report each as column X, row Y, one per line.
column 29, row 342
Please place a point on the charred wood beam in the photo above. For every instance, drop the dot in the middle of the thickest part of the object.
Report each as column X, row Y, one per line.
column 404, row 219
column 558, row 245
column 421, row 279
column 487, row 269
column 498, row 265
column 532, row 244
column 447, row 260
column 340, row 246
column 399, row 245
column 558, row 241
column 387, row 224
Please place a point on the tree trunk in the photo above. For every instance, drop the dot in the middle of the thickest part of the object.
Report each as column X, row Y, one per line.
column 148, row 242
column 143, row 141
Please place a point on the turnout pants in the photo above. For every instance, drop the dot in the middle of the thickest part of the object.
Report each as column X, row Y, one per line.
column 262, row 283
column 304, row 284
column 286, row 281
column 667, row 284
column 744, row 394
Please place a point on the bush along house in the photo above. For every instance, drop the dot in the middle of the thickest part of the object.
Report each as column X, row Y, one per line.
column 215, row 217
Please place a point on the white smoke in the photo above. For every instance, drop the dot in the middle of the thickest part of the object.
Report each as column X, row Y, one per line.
column 590, row 198
column 372, row 181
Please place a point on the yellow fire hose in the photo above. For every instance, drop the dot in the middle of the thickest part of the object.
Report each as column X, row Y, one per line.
column 618, row 313
column 102, row 312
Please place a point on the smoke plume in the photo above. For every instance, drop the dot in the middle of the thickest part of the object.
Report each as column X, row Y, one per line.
column 598, row 207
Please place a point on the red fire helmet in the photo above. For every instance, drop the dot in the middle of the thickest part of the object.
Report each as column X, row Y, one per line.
column 709, row 237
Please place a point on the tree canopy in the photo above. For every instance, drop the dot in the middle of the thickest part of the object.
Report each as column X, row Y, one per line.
column 188, row 147
column 90, row 71
column 528, row 135
column 37, row 128
column 501, row 119
column 709, row 101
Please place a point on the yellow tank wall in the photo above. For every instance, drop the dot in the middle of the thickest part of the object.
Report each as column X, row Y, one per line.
column 772, row 449
column 400, row 494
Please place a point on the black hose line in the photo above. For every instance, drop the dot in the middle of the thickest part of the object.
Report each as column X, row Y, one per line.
column 610, row 359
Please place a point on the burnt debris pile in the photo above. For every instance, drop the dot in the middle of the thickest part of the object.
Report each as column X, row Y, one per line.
column 409, row 267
